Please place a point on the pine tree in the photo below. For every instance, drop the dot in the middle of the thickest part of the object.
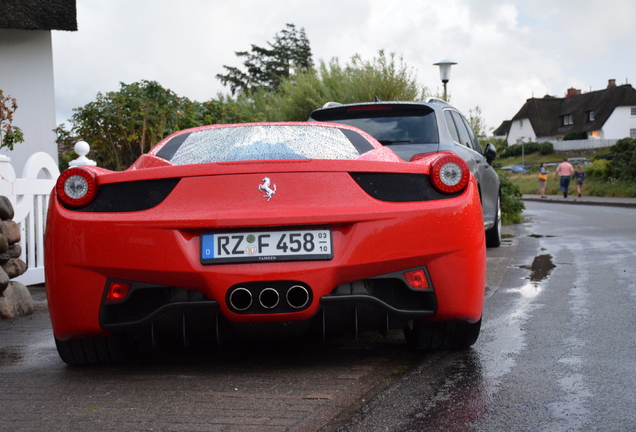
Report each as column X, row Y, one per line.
column 265, row 68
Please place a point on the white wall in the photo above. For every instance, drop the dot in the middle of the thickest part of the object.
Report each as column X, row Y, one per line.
column 26, row 73
column 619, row 123
column 521, row 130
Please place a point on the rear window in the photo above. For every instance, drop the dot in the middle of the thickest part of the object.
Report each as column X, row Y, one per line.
column 264, row 142
column 393, row 126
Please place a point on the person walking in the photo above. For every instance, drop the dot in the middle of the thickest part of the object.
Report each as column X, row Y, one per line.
column 543, row 179
column 565, row 170
column 579, row 176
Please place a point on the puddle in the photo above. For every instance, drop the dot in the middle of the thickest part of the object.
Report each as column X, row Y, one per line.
column 541, row 267
column 541, row 236
column 539, row 270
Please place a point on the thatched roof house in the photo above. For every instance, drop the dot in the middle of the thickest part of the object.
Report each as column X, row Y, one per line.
column 26, row 70
column 38, row 15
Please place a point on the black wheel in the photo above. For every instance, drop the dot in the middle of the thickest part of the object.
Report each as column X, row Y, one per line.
column 493, row 235
column 427, row 336
column 96, row 350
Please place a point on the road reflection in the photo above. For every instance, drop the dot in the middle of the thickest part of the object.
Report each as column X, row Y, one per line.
column 473, row 379
column 462, row 399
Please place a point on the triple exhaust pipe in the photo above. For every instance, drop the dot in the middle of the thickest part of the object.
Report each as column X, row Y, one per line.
column 241, row 299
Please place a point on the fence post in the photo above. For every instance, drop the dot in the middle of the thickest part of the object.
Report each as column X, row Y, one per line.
column 82, row 148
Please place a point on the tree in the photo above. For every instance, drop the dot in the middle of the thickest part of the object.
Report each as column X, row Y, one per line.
column 288, row 55
column 477, row 122
column 122, row 125
column 385, row 77
column 9, row 134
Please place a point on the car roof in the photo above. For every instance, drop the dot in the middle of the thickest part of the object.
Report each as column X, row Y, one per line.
column 431, row 102
column 426, row 101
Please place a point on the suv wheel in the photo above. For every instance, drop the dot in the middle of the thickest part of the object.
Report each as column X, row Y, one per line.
column 493, row 235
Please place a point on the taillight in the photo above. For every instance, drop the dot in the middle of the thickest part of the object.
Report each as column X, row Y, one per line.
column 449, row 174
column 370, row 108
column 416, row 278
column 76, row 187
column 117, row 291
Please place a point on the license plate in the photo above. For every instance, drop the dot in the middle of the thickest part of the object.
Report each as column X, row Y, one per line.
column 262, row 246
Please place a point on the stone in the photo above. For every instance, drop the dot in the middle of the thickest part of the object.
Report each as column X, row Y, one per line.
column 6, row 208
column 15, row 301
column 13, row 251
column 11, row 231
column 4, row 243
column 4, row 280
column 14, row 267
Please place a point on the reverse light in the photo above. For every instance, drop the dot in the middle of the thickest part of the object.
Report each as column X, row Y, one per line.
column 76, row 187
column 449, row 174
column 117, row 291
column 416, row 278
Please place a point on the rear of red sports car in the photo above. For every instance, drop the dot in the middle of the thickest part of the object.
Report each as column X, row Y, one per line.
column 255, row 229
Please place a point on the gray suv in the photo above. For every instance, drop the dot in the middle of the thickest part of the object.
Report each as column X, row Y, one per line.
column 430, row 126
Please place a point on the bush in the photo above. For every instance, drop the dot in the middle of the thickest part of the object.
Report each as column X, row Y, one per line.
column 546, row 148
column 515, row 150
column 572, row 136
column 511, row 204
column 623, row 166
column 599, row 169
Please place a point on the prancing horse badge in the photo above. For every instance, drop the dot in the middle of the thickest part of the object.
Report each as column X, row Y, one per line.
column 269, row 192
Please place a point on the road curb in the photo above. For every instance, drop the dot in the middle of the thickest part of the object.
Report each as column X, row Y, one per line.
column 597, row 201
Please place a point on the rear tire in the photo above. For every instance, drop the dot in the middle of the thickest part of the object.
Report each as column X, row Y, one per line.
column 98, row 350
column 493, row 235
column 427, row 336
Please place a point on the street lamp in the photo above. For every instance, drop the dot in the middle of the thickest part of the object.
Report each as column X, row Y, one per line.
column 444, row 72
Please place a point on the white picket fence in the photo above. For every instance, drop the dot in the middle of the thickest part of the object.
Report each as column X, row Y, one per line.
column 29, row 195
column 588, row 144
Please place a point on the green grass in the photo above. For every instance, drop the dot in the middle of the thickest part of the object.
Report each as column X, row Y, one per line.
column 535, row 159
column 529, row 185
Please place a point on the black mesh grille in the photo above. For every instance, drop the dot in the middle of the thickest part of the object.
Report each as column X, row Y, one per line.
column 399, row 187
column 130, row 196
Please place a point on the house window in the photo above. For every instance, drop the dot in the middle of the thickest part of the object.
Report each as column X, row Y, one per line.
column 590, row 116
column 632, row 133
column 521, row 124
column 594, row 134
column 567, row 120
column 634, row 111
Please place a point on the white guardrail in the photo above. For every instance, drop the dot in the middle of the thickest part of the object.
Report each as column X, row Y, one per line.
column 29, row 195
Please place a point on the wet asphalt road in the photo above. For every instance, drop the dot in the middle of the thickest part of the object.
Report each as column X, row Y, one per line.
column 556, row 353
column 557, row 349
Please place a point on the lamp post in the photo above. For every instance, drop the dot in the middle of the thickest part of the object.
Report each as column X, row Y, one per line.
column 444, row 72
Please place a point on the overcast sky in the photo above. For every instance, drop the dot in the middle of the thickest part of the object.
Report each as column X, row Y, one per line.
column 507, row 50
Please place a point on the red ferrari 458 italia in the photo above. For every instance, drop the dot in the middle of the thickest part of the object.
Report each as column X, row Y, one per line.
column 264, row 229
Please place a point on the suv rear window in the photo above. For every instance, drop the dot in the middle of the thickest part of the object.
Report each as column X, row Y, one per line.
column 388, row 125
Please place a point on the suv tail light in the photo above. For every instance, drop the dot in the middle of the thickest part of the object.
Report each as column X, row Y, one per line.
column 449, row 174
column 76, row 187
